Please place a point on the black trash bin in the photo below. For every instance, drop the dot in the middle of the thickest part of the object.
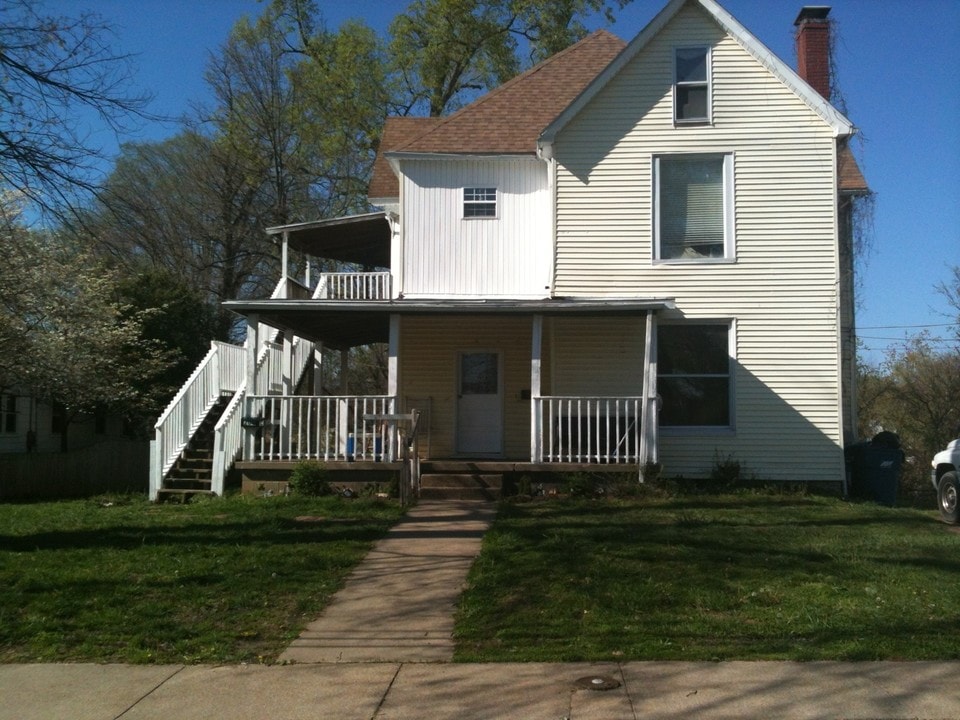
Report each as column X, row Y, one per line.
column 874, row 468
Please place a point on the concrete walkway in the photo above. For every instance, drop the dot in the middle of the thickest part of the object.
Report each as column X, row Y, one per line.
column 398, row 604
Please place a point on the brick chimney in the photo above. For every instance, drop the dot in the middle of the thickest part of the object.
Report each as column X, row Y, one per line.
column 813, row 47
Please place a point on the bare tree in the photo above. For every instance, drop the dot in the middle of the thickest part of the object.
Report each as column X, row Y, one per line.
column 54, row 72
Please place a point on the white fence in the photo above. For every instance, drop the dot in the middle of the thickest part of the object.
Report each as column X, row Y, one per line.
column 588, row 429
column 319, row 428
column 353, row 286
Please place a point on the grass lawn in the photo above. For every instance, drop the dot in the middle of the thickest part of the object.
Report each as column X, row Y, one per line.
column 712, row 577
column 225, row 580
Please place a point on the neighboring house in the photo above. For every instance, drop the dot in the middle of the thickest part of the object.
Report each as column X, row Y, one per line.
column 631, row 253
column 30, row 425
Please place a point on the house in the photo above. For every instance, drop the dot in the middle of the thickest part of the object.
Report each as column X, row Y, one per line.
column 30, row 425
column 630, row 254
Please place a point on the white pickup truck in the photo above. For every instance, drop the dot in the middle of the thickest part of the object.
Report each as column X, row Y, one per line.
column 946, row 466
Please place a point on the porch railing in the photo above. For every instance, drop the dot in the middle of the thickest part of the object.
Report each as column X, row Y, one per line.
column 298, row 427
column 589, row 429
column 354, row 286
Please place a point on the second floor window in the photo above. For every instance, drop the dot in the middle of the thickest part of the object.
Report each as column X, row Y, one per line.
column 693, row 207
column 479, row 202
column 691, row 88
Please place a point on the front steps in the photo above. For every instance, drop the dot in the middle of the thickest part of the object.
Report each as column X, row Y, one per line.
column 192, row 473
column 459, row 481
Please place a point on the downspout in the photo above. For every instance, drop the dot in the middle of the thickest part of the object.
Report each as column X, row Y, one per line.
column 545, row 153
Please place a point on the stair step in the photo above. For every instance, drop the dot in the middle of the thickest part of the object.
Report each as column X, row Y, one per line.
column 187, row 483
column 455, row 493
column 461, row 480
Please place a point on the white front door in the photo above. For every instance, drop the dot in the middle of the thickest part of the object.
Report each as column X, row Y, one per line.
column 480, row 404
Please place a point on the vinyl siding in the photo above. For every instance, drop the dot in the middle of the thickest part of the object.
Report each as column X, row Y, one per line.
column 446, row 255
column 781, row 290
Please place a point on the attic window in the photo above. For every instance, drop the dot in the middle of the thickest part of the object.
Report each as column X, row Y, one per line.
column 691, row 89
column 479, row 202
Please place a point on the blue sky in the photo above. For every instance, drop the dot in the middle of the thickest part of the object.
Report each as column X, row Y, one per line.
column 897, row 63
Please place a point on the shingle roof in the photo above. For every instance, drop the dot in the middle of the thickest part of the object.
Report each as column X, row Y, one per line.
column 850, row 179
column 510, row 118
column 397, row 131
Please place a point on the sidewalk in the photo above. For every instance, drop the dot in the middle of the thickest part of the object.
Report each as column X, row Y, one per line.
column 441, row 691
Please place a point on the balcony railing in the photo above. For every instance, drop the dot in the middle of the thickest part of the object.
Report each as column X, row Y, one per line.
column 297, row 427
column 354, row 286
column 588, row 429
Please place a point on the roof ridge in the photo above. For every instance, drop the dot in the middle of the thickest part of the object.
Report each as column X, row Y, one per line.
column 500, row 89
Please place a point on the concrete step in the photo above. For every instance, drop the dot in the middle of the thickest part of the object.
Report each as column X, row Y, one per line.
column 180, row 494
column 461, row 480
column 460, row 486
column 455, row 493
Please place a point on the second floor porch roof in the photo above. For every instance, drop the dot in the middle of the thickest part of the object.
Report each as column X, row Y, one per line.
column 358, row 239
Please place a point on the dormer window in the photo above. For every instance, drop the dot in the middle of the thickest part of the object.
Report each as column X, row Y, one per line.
column 691, row 87
column 479, row 202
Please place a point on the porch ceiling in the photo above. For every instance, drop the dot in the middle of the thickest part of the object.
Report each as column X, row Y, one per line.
column 344, row 324
column 359, row 239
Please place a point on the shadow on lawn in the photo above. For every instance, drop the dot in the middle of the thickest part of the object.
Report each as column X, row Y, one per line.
column 121, row 537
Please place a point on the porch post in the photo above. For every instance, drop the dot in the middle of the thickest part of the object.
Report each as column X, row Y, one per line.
column 536, row 351
column 250, row 362
column 343, row 408
column 393, row 381
column 649, row 452
column 318, row 369
column 284, row 260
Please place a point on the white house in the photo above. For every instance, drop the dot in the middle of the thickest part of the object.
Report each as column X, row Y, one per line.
column 631, row 253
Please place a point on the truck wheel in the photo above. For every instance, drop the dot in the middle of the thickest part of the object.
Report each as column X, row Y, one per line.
column 947, row 498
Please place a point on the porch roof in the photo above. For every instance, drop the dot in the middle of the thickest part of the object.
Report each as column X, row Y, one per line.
column 359, row 239
column 344, row 324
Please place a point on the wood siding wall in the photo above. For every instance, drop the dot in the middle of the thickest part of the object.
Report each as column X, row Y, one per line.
column 593, row 356
column 429, row 350
column 781, row 290
column 446, row 255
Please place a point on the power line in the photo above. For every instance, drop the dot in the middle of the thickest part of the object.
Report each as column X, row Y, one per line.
column 897, row 327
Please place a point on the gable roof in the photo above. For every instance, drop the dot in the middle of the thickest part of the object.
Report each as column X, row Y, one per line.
column 397, row 131
column 509, row 118
column 731, row 26
column 849, row 178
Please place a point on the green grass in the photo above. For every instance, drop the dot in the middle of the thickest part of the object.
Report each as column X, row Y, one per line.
column 225, row 580
column 739, row 576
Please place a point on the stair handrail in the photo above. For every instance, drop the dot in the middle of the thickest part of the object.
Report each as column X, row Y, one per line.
column 227, row 440
column 219, row 371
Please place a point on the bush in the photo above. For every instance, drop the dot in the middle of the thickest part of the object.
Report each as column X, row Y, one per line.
column 310, row 478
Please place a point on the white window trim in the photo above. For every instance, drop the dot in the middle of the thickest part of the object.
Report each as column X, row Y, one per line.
column 466, row 203
column 729, row 224
column 700, row 430
column 708, row 120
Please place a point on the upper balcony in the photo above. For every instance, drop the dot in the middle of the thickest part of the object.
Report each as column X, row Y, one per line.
column 360, row 240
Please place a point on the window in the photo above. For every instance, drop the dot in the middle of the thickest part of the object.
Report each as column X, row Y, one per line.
column 8, row 413
column 693, row 375
column 691, row 88
column 693, row 207
column 479, row 202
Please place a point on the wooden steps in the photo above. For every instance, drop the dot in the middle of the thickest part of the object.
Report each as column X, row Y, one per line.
column 192, row 473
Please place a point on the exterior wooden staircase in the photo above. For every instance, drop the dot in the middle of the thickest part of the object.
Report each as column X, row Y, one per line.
column 458, row 481
column 192, row 473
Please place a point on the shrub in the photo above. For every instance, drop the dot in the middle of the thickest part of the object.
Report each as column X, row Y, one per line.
column 310, row 478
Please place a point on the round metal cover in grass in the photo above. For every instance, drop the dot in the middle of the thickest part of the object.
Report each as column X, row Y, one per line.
column 597, row 682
